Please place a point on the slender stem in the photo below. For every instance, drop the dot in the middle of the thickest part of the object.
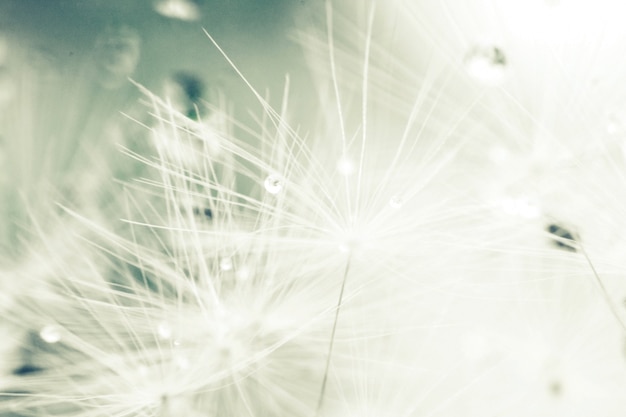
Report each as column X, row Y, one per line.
column 332, row 339
column 600, row 284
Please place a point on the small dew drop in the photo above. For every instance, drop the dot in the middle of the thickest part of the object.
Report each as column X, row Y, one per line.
column 345, row 166
column 396, row 202
column 226, row 264
column 614, row 125
column 165, row 331
column 182, row 362
column 486, row 63
column 243, row 273
column 521, row 206
column 273, row 184
column 50, row 334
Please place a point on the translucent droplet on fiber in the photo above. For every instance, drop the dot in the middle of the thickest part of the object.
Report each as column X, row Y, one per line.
column 486, row 63
column 396, row 201
column 345, row 166
column 273, row 184
column 165, row 331
column 226, row 264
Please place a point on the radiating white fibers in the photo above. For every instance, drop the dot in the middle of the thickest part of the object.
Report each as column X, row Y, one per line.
column 430, row 226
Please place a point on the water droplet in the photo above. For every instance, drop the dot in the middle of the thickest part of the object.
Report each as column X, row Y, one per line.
column 396, row 201
column 243, row 273
column 165, row 331
column 345, row 166
column 182, row 362
column 486, row 63
column 614, row 125
column 520, row 206
column 226, row 264
column 51, row 333
column 273, row 184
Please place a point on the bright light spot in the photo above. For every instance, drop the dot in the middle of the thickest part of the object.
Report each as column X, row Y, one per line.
column 345, row 166
column 273, row 184
column 165, row 331
column 226, row 264
column 614, row 125
column 396, row 202
column 243, row 273
column 51, row 334
column 486, row 63
column 182, row 362
column 521, row 206
column 178, row 9
column 499, row 155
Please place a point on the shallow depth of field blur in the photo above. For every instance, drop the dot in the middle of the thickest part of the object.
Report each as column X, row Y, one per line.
column 407, row 208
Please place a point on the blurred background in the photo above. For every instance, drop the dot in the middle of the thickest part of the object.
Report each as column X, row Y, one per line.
column 64, row 84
